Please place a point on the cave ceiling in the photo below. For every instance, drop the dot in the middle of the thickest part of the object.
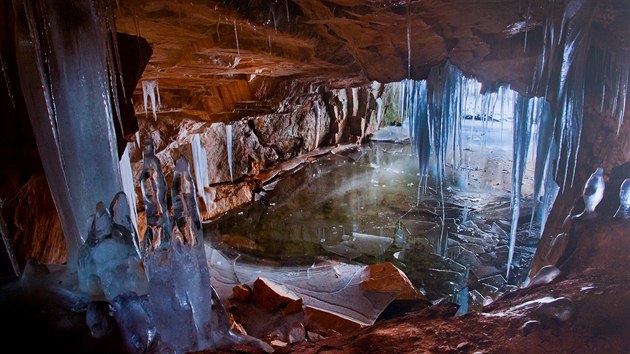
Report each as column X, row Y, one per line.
column 199, row 46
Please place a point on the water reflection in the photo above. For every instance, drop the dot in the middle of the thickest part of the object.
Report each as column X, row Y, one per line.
column 361, row 205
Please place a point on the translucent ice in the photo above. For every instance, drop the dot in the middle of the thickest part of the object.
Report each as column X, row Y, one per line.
column 150, row 90
column 109, row 263
column 158, row 233
column 67, row 84
column 593, row 192
column 228, row 141
column 623, row 212
column 200, row 164
column 185, row 210
column 129, row 187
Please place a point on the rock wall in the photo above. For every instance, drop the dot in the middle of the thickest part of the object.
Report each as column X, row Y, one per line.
column 304, row 121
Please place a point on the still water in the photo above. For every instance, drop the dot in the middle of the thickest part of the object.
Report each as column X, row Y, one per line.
column 362, row 205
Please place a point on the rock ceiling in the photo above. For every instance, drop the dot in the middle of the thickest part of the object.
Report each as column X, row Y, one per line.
column 202, row 48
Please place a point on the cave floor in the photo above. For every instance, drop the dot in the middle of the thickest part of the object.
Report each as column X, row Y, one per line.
column 584, row 310
column 323, row 208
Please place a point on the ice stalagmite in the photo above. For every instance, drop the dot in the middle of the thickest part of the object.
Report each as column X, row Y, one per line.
column 185, row 210
column 593, row 193
column 66, row 84
column 109, row 263
column 623, row 212
column 158, row 233
column 181, row 296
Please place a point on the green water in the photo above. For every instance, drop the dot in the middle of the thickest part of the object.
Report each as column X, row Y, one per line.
column 362, row 205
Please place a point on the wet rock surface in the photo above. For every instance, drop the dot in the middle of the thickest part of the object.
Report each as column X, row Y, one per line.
column 584, row 310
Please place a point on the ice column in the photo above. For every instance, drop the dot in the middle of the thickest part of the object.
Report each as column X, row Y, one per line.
column 64, row 76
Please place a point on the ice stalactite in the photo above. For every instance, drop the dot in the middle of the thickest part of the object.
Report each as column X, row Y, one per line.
column 7, row 82
column 158, row 233
column 228, row 142
column 200, row 164
column 129, row 188
column 408, row 21
column 238, row 48
column 69, row 102
column 524, row 112
column 150, row 90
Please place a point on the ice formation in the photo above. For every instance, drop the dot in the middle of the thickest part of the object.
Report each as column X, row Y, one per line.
column 593, row 192
column 552, row 123
column 238, row 49
column 75, row 135
column 150, row 90
column 200, row 165
column 128, row 185
column 158, row 233
column 623, row 212
column 181, row 296
column 228, row 142
column 109, row 263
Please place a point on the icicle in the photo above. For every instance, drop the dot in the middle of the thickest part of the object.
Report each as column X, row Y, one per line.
column 238, row 49
column 408, row 41
column 149, row 91
column 523, row 118
column 7, row 82
column 526, row 27
column 200, row 164
column 228, row 141
column 317, row 128
column 286, row 3
column 129, row 187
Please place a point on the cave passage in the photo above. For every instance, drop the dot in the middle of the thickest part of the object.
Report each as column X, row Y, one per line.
column 361, row 205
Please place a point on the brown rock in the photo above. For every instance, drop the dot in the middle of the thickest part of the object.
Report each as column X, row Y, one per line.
column 321, row 319
column 385, row 277
column 242, row 293
column 293, row 307
column 270, row 295
column 235, row 326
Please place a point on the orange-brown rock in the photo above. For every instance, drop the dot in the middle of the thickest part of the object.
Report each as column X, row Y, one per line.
column 318, row 319
column 242, row 293
column 270, row 295
column 37, row 232
column 293, row 307
column 235, row 326
column 386, row 277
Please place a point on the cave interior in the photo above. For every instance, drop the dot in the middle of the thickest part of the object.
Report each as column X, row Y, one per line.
column 315, row 175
